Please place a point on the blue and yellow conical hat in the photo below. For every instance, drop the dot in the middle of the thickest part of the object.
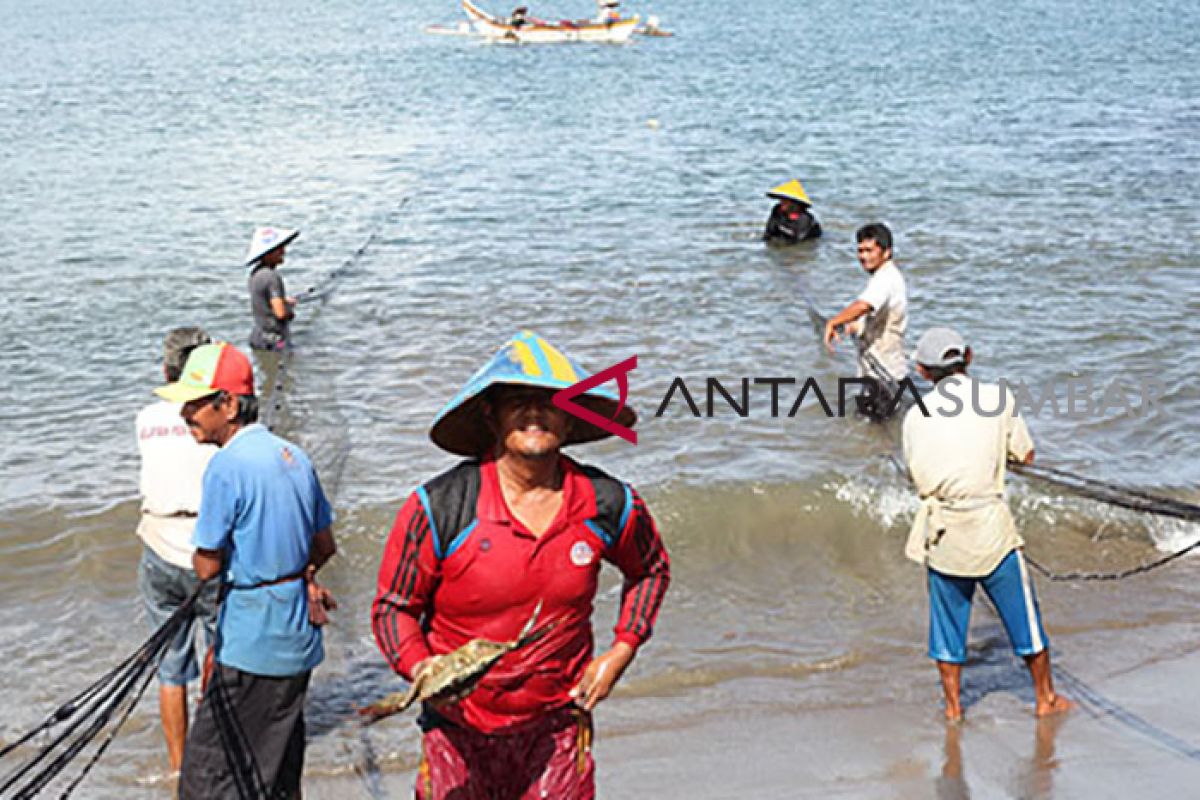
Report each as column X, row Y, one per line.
column 525, row 360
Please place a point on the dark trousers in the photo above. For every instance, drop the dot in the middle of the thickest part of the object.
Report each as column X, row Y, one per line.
column 247, row 741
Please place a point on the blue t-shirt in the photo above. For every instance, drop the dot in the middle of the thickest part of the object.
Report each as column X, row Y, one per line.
column 262, row 504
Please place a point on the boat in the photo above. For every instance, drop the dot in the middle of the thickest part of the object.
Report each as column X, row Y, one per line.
column 536, row 31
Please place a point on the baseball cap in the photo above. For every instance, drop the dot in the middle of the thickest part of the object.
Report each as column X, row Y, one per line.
column 940, row 347
column 178, row 343
column 209, row 369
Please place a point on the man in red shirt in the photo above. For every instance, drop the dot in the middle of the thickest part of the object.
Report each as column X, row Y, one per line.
column 475, row 550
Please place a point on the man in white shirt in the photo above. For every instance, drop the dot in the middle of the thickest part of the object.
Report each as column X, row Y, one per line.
column 878, row 317
column 173, row 465
column 964, row 533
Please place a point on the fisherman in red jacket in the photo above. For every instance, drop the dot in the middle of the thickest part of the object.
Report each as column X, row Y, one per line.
column 473, row 553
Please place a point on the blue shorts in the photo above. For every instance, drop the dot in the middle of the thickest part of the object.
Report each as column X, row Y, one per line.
column 1011, row 592
column 164, row 587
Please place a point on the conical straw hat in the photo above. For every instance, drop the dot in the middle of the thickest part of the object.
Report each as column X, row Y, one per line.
column 792, row 190
column 525, row 360
column 267, row 239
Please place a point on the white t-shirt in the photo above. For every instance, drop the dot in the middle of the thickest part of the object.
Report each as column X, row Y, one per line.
column 882, row 330
column 957, row 458
column 173, row 465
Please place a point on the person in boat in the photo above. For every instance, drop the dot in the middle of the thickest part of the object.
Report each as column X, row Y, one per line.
column 272, row 308
column 964, row 534
column 607, row 11
column 519, row 17
column 476, row 549
column 878, row 317
column 264, row 528
column 172, row 469
column 791, row 219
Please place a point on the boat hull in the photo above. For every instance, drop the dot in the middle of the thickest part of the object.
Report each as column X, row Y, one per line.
column 495, row 29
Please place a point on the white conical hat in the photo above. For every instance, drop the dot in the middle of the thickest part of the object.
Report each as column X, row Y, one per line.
column 267, row 239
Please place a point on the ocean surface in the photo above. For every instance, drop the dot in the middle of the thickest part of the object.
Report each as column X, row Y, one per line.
column 1038, row 162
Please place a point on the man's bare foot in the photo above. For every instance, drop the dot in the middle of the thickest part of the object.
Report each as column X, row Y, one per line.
column 954, row 715
column 1057, row 705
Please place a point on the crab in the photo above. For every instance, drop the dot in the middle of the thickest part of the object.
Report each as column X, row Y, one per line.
column 452, row 676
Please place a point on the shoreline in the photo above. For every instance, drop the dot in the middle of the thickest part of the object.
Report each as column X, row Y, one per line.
column 1128, row 736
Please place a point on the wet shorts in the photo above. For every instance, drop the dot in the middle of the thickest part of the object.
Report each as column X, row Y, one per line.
column 1011, row 592
column 164, row 587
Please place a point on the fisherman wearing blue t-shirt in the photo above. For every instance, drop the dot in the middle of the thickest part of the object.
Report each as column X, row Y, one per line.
column 264, row 527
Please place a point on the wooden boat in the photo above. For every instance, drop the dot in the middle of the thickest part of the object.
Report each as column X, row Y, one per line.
column 541, row 32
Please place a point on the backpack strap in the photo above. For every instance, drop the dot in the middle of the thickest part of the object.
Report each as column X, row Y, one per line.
column 614, row 504
column 450, row 500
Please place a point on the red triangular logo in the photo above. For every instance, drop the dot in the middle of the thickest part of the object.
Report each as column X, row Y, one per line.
column 563, row 398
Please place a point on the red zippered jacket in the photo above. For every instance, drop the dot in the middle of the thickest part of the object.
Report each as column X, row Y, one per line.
column 483, row 573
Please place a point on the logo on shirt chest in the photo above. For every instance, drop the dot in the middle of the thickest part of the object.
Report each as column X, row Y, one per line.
column 582, row 554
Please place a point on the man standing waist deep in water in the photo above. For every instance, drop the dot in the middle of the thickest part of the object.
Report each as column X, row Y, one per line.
column 273, row 310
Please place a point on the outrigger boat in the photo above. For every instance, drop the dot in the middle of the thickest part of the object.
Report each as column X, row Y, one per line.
column 540, row 32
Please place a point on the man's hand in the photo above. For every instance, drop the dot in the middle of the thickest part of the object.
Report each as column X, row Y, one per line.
column 320, row 602
column 844, row 322
column 602, row 675
column 831, row 335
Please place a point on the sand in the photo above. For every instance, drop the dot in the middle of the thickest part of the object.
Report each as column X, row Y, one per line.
column 1130, row 737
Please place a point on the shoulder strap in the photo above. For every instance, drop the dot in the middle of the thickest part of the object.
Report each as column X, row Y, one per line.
column 449, row 501
column 614, row 504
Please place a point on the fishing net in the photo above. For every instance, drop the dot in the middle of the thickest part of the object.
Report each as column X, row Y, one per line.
column 77, row 723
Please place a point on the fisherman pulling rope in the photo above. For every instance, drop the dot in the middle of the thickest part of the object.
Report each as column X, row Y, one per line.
column 110, row 700
column 964, row 534
column 878, row 317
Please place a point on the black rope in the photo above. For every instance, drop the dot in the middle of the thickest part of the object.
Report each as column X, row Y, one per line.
column 91, row 710
column 321, row 291
column 1109, row 576
column 1123, row 497
column 111, row 735
column 1099, row 706
column 1132, row 499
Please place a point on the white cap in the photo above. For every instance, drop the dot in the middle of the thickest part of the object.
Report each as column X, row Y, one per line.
column 267, row 239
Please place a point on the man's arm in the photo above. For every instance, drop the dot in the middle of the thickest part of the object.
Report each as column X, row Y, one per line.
column 640, row 555
column 206, row 563
column 283, row 311
column 407, row 578
column 1020, row 443
column 850, row 313
column 323, row 548
column 213, row 525
column 282, row 306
